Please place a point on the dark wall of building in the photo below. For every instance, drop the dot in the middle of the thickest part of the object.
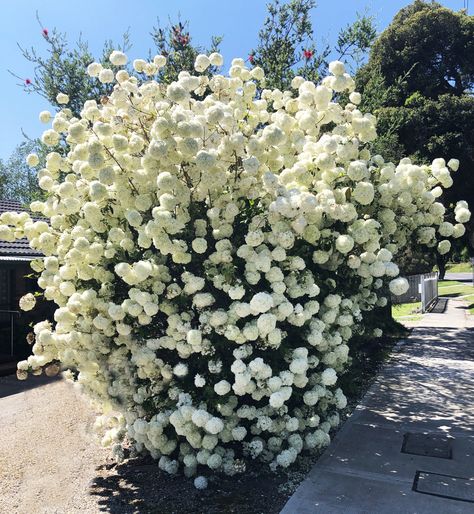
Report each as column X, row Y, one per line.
column 16, row 281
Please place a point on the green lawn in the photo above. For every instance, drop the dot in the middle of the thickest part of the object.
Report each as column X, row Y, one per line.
column 470, row 301
column 453, row 289
column 405, row 310
column 458, row 267
column 446, row 283
column 461, row 267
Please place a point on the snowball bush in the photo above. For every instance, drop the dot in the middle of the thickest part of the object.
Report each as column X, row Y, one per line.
column 212, row 246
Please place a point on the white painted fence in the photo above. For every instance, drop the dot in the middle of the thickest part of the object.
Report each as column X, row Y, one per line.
column 428, row 290
column 421, row 288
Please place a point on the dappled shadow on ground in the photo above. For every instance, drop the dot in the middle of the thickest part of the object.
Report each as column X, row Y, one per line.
column 428, row 383
column 139, row 486
column 424, row 393
column 11, row 385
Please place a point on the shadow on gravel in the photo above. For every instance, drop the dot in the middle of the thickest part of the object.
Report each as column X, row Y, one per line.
column 139, row 486
column 11, row 385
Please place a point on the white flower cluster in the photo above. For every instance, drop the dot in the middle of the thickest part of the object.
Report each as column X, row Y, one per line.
column 27, row 302
column 212, row 246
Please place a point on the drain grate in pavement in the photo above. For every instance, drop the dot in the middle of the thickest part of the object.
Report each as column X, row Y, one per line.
column 427, row 445
column 440, row 306
column 444, row 486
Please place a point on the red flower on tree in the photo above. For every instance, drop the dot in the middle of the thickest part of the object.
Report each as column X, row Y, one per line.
column 308, row 54
column 45, row 32
column 28, row 82
column 179, row 36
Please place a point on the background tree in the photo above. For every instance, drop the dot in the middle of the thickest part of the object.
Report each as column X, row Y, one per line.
column 175, row 43
column 287, row 44
column 17, row 180
column 61, row 68
column 419, row 82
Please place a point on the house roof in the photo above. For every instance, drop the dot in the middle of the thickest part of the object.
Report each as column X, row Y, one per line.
column 19, row 249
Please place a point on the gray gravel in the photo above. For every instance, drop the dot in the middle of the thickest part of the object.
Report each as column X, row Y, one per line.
column 48, row 455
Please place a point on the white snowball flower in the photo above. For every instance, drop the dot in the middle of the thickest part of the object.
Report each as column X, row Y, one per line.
column 453, row 164
column 337, row 68
column 261, row 302
column 199, row 245
column 201, row 63
column 355, row 98
column 199, row 381
column 222, row 387
column 106, row 75
column 181, row 369
column 214, row 426
column 399, row 286
column 191, row 231
column 27, row 302
column 329, row 377
column 344, row 243
column 194, row 337
column 118, row 58
column 159, row 61
column 363, row 193
column 45, row 116
column 462, row 215
column 32, row 159
column 94, row 69
column 200, row 482
column 216, row 59
column 444, row 246
column 62, row 98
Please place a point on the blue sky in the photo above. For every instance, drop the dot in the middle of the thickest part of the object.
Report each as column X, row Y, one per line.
column 97, row 20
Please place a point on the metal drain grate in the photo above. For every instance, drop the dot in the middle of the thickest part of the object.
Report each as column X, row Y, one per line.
column 444, row 486
column 440, row 306
column 427, row 445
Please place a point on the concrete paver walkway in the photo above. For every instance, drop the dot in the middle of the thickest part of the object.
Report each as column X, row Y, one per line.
column 426, row 388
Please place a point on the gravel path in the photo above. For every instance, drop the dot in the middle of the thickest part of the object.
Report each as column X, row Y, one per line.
column 47, row 459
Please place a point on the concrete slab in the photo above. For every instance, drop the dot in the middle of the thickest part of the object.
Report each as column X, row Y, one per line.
column 379, row 450
column 336, row 493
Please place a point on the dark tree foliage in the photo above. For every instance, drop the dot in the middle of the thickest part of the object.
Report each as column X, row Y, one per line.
column 418, row 81
column 432, row 46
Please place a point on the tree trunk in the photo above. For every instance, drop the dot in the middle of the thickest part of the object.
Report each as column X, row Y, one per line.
column 441, row 267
